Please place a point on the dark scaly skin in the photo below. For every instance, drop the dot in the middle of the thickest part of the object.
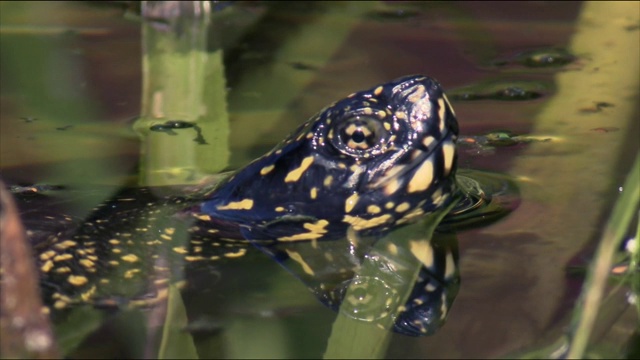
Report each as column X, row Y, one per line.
column 363, row 166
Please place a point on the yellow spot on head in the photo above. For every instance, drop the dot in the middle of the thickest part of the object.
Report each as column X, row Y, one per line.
column 314, row 193
column 328, row 180
column 359, row 223
column 448, row 151
column 392, row 187
column 316, row 230
column 267, row 169
column 378, row 91
column 441, row 114
column 417, row 94
column 403, row 207
column 373, row 209
column 318, row 226
column 130, row 258
column 422, row 178
column 246, row 204
column 295, row 174
column 77, row 280
column 279, row 209
column 350, row 203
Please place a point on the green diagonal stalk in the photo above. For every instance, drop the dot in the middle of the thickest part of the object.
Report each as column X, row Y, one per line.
column 585, row 314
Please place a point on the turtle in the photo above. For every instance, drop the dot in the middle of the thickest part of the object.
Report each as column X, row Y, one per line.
column 359, row 170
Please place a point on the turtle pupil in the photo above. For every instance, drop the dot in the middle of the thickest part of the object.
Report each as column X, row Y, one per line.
column 358, row 136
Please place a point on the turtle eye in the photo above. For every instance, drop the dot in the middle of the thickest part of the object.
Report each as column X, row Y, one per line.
column 360, row 135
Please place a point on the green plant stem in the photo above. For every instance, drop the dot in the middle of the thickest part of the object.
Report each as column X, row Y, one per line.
column 183, row 81
column 614, row 232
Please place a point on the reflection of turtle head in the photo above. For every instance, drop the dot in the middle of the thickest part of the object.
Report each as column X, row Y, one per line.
column 376, row 159
column 433, row 294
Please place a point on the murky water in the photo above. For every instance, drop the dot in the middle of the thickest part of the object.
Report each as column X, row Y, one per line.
column 71, row 87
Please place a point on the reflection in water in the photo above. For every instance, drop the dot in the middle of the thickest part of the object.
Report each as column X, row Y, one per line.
column 363, row 277
column 125, row 253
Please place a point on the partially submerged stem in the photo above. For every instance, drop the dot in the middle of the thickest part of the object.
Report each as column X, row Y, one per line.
column 184, row 123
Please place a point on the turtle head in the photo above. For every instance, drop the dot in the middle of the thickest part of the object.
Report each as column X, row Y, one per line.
column 374, row 160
